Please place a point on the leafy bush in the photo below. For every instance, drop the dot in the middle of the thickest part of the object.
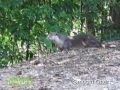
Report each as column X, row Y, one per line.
column 25, row 24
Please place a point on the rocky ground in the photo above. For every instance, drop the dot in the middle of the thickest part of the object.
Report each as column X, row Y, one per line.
column 78, row 69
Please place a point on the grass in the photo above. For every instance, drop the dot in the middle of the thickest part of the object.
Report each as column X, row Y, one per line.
column 19, row 81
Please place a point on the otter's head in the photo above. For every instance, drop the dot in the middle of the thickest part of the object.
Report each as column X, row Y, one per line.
column 53, row 36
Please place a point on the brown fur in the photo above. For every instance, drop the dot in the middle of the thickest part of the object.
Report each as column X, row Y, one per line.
column 61, row 41
column 83, row 40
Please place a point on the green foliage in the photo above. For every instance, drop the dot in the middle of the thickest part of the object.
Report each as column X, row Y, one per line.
column 25, row 24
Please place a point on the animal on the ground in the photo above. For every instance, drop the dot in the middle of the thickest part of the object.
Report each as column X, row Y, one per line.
column 61, row 41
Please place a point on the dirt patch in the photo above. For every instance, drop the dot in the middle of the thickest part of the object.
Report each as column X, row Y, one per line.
column 78, row 69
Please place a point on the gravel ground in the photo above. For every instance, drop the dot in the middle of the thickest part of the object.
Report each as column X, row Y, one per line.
column 77, row 69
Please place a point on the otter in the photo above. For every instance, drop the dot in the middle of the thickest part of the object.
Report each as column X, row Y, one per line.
column 61, row 41
column 66, row 42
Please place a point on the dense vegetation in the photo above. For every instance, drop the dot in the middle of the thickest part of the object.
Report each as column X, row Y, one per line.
column 24, row 24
